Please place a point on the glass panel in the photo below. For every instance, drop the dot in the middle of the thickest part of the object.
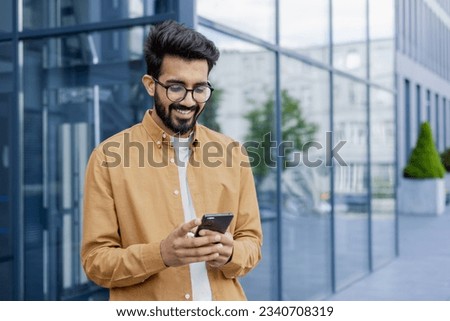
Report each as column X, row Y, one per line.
column 351, row 180
column 437, row 118
column 255, row 17
column 304, row 27
column 349, row 36
column 446, row 107
column 6, row 223
column 408, row 114
column 305, row 182
column 382, row 149
column 6, row 15
column 53, row 13
column 80, row 90
column 419, row 105
column 243, row 108
column 381, row 32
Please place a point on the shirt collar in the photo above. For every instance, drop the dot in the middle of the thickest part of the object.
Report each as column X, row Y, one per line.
column 159, row 136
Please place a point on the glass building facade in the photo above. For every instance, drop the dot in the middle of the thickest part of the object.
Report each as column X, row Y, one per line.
column 423, row 72
column 312, row 88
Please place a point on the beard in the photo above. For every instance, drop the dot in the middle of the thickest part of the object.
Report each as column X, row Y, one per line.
column 176, row 125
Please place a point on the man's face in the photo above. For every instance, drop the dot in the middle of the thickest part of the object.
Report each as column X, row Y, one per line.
column 178, row 118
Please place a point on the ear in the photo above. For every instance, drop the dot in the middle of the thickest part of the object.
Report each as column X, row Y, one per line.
column 149, row 84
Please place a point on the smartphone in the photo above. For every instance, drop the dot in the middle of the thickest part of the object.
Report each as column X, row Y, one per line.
column 218, row 222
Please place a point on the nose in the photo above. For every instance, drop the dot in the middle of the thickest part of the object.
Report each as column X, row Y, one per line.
column 189, row 99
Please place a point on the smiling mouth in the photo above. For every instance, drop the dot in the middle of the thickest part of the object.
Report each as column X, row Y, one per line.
column 184, row 111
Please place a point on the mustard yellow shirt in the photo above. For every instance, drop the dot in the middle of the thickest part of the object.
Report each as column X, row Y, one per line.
column 132, row 201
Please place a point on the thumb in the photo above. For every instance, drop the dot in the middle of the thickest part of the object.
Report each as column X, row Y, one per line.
column 187, row 227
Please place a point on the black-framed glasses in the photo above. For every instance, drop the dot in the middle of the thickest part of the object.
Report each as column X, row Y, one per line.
column 177, row 92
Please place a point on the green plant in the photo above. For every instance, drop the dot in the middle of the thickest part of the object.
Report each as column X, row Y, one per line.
column 445, row 159
column 296, row 128
column 424, row 161
column 209, row 114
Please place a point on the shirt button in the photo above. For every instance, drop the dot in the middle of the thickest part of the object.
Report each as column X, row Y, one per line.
column 164, row 135
column 158, row 143
column 176, row 192
column 172, row 160
column 187, row 296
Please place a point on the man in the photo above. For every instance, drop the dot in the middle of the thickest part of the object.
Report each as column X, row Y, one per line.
column 147, row 187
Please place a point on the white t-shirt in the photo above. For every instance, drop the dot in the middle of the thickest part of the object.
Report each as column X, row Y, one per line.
column 201, row 289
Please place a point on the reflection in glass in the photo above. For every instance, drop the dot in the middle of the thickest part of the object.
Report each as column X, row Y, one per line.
column 381, row 36
column 304, row 27
column 349, row 36
column 382, row 150
column 79, row 91
column 351, row 181
column 305, row 182
column 243, row 82
column 255, row 17
column 6, row 15
column 51, row 14
column 6, row 223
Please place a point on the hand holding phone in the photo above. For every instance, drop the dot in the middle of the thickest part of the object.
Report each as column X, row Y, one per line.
column 218, row 222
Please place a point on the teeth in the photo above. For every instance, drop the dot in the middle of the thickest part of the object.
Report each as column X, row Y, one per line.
column 185, row 112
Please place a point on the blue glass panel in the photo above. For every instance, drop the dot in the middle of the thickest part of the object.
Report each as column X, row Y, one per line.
column 382, row 147
column 306, row 182
column 349, row 36
column 6, row 223
column 304, row 28
column 242, row 99
column 78, row 91
column 351, row 178
column 254, row 17
column 6, row 14
column 51, row 14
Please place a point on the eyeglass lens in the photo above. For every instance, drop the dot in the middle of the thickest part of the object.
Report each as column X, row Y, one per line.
column 177, row 93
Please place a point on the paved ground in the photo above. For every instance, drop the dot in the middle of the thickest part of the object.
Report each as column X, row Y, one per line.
column 421, row 272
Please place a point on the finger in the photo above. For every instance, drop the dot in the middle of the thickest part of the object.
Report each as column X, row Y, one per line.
column 226, row 240
column 224, row 250
column 198, row 252
column 223, row 258
column 208, row 232
column 195, row 259
column 229, row 235
column 201, row 241
column 187, row 227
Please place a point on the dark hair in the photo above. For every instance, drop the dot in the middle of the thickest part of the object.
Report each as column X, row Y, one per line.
column 172, row 38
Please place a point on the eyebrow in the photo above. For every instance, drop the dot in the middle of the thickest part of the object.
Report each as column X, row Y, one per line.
column 177, row 81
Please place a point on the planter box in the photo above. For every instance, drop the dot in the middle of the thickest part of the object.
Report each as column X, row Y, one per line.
column 421, row 196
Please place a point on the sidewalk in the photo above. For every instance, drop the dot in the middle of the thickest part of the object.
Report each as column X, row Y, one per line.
column 420, row 272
